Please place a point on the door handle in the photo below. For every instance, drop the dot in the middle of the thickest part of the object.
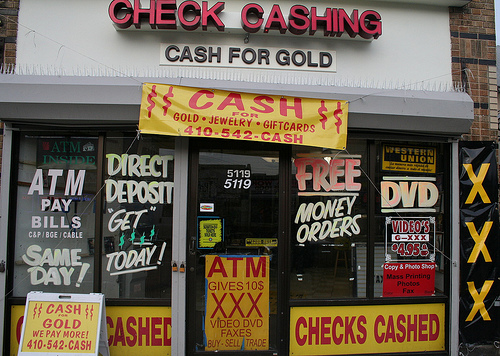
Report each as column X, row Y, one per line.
column 192, row 244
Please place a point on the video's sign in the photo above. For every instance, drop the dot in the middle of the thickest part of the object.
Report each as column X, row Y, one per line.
column 410, row 239
column 410, row 253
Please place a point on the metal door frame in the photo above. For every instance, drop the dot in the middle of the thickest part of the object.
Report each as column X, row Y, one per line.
column 179, row 243
column 190, row 152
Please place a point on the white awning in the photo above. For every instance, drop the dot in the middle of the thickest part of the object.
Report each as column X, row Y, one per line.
column 105, row 101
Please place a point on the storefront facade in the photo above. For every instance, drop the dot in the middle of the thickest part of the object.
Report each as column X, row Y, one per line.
column 265, row 178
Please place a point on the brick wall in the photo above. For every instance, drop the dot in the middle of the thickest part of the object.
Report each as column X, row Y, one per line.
column 8, row 33
column 473, row 42
column 473, row 48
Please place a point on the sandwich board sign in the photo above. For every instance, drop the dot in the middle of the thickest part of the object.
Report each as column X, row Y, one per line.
column 64, row 325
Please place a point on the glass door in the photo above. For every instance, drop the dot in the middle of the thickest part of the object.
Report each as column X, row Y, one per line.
column 233, row 251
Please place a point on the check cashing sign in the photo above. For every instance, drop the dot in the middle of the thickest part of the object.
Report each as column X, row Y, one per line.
column 194, row 112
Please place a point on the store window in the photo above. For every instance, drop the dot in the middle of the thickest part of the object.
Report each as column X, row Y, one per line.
column 369, row 225
column 329, row 222
column 137, row 216
column 58, row 204
column 55, row 214
column 410, row 243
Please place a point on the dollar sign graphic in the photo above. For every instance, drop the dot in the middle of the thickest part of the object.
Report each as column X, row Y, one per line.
column 336, row 114
column 132, row 237
column 150, row 101
column 142, row 238
column 167, row 102
column 122, row 241
column 321, row 111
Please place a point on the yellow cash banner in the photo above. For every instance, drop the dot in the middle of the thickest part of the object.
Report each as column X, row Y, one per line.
column 194, row 112
column 237, row 302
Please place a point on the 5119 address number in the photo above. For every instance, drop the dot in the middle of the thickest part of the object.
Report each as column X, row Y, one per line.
column 238, row 179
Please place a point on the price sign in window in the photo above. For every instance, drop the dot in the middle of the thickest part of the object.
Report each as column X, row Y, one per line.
column 410, row 239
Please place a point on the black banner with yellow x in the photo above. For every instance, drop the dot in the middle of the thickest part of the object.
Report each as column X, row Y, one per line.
column 479, row 244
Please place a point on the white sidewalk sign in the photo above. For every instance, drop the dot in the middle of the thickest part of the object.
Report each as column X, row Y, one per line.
column 64, row 325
